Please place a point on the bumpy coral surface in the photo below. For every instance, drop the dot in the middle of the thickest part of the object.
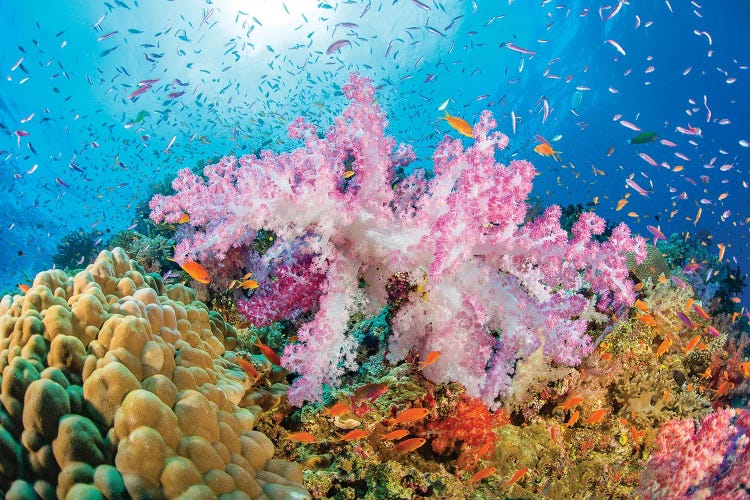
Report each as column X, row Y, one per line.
column 114, row 386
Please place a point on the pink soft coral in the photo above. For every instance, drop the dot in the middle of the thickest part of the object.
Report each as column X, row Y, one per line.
column 712, row 461
column 498, row 289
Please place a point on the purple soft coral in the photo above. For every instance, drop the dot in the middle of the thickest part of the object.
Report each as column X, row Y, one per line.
column 498, row 289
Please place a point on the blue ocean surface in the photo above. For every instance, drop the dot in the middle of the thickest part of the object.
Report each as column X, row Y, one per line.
column 83, row 143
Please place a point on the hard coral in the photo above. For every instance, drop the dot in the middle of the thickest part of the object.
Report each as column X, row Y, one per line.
column 114, row 385
column 499, row 289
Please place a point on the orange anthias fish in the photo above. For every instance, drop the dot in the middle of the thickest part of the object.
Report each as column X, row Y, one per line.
column 570, row 403
column 245, row 282
column 184, row 219
column 196, row 271
column 410, row 444
column 664, row 346
column 410, row 415
column 691, row 345
column 248, row 368
column 641, row 305
column 24, row 287
column 461, row 125
column 395, row 435
column 573, row 419
column 303, row 437
column 337, row 410
column 486, row 472
column 647, row 319
column 355, row 434
column 545, row 149
column 596, row 417
column 745, row 369
column 701, row 312
column 518, row 475
column 429, row 359
column 268, row 352
column 724, row 389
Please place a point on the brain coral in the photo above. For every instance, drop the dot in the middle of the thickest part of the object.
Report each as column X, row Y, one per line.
column 116, row 386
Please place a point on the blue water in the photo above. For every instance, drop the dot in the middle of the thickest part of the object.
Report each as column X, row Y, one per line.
column 248, row 68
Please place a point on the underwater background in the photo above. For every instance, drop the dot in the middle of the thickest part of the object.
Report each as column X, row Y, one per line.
column 635, row 111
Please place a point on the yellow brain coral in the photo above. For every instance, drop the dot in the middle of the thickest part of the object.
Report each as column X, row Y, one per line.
column 114, row 385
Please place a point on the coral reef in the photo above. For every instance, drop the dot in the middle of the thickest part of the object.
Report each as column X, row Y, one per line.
column 77, row 248
column 114, row 385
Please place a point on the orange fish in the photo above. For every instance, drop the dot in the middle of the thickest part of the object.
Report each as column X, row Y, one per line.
column 707, row 374
column 410, row 444
column 369, row 391
column 354, row 434
column 516, row 476
column 486, row 472
column 245, row 282
column 248, row 284
column 268, row 352
column 410, row 415
column 647, row 319
column 724, row 389
column 688, row 304
column 248, row 368
column 482, row 451
column 431, row 358
column 638, row 287
column 596, row 417
column 641, row 305
column 573, row 419
column 196, row 271
column 606, row 356
column 395, row 435
column 701, row 312
column 667, row 396
column 461, row 125
column 545, row 149
column 303, row 437
column 664, row 346
column 570, row 403
column 745, row 369
column 691, row 345
column 621, row 204
column 23, row 287
column 337, row 410
column 184, row 219
column 349, row 174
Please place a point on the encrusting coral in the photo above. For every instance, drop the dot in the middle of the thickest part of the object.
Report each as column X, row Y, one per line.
column 114, row 385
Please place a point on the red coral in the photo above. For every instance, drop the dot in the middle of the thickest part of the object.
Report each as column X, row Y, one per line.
column 470, row 427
